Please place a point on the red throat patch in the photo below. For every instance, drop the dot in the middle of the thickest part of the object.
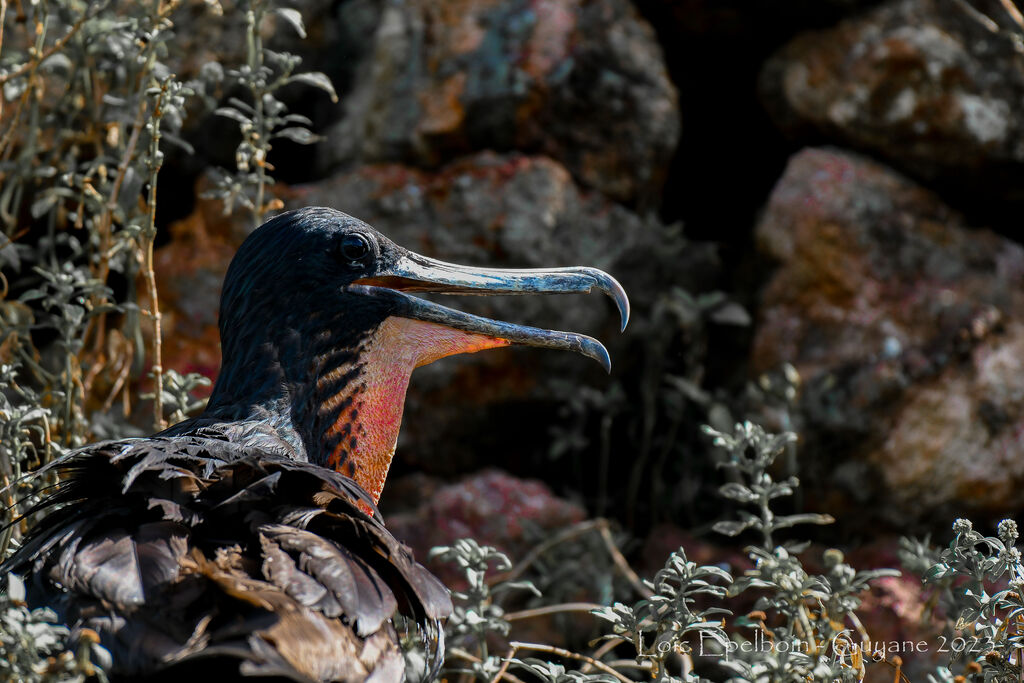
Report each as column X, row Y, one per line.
column 374, row 417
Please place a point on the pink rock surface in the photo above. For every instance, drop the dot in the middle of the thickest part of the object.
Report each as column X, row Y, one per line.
column 908, row 330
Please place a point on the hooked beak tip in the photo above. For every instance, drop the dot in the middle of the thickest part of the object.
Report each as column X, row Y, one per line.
column 612, row 288
column 598, row 352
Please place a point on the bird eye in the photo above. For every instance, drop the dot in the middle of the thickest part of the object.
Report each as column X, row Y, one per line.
column 354, row 247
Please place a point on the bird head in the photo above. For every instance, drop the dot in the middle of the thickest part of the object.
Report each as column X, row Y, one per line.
column 320, row 332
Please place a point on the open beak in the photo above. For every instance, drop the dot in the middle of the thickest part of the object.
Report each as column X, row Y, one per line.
column 414, row 273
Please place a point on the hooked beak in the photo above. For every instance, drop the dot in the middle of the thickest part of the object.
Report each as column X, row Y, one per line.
column 415, row 273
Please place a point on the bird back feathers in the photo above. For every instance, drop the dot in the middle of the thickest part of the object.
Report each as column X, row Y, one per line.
column 178, row 548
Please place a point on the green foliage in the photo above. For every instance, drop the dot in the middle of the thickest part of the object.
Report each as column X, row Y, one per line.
column 556, row 673
column 814, row 615
column 90, row 103
column 682, row 627
column 751, row 453
column 476, row 612
column 265, row 117
column 979, row 581
column 32, row 644
column 658, row 626
column 177, row 394
column 665, row 623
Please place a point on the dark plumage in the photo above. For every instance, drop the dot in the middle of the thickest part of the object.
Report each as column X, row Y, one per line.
column 247, row 540
column 202, row 545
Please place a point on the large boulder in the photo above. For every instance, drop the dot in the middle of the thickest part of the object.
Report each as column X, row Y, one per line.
column 908, row 330
column 927, row 84
column 581, row 82
column 513, row 515
column 491, row 507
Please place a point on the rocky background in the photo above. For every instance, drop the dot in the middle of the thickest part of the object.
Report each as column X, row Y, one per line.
column 831, row 187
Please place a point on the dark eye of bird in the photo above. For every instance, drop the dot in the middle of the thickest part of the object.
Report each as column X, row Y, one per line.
column 354, row 247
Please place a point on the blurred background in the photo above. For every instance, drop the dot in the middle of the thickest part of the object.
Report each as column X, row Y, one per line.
column 813, row 205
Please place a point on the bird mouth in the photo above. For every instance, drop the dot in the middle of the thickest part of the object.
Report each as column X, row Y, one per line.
column 415, row 273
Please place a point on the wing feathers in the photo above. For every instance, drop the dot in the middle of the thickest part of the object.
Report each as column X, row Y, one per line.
column 178, row 547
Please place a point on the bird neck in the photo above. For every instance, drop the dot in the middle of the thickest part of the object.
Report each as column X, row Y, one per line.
column 338, row 397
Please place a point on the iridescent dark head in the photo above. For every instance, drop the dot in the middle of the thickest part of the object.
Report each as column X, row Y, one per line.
column 319, row 332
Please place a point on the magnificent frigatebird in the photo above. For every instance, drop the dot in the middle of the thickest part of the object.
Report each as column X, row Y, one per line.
column 247, row 540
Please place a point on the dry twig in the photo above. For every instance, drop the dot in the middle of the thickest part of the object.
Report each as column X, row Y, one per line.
column 470, row 657
column 575, row 531
column 553, row 609
column 568, row 654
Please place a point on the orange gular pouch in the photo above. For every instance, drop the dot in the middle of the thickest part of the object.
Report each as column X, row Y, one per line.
column 374, row 416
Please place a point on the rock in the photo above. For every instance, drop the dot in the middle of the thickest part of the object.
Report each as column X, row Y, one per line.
column 562, row 78
column 517, row 210
column 507, row 211
column 922, row 83
column 490, row 507
column 515, row 516
column 908, row 330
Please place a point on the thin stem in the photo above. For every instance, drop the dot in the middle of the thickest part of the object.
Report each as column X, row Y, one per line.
column 766, row 522
column 803, row 623
column 572, row 532
column 107, row 216
column 600, row 652
column 56, row 47
column 260, row 138
column 631, row 664
column 106, row 222
column 149, row 237
column 469, row 657
column 1014, row 12
column 621, row 563
column 977, row 15
column 9, row 512
column 865, row 639
column 504, row 666
column 33, row 94
column 121, row 378
column 47, row 440
column 3, row 21
column 575, row 531
column 897, row 664
column 552, row 609
column 687, row 665
column 38, row 369
column 69, row 398
column 550, row 649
